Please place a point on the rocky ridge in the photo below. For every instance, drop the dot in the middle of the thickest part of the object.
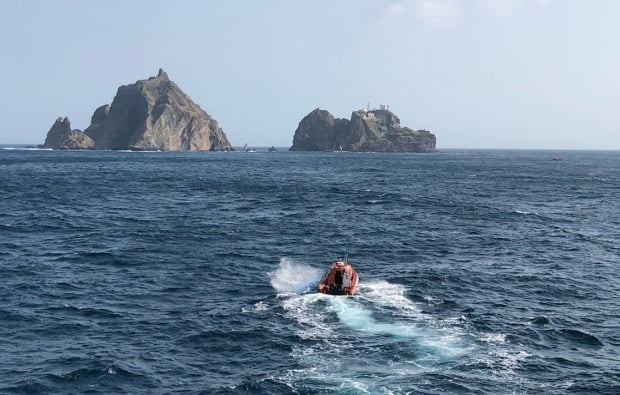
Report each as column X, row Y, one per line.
column 366, row 131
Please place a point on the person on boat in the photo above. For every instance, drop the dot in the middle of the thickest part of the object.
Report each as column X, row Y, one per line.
column 338, row 277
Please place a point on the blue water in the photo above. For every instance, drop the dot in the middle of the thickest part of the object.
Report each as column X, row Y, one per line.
column 481, row 272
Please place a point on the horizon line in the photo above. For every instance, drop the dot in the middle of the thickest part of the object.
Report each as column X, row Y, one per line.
column 22, row 145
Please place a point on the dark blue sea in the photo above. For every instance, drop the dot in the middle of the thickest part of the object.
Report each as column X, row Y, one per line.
column 481, row 272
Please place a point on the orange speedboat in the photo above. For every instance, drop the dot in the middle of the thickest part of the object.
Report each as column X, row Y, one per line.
column 340, row 279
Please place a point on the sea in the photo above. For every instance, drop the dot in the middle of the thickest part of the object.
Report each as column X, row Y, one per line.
column 481, row 272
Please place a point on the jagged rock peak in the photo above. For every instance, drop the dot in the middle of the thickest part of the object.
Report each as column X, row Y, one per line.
column 162, row 74
column 155, row 115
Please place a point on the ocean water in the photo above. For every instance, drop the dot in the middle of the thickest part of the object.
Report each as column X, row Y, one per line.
column 481, row 272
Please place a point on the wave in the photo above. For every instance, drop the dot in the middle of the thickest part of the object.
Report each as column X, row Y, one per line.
column 27, row 387
column 578, row 337
column 524, row 212
column 541, row 320
column 91, row 376
column 88, row 312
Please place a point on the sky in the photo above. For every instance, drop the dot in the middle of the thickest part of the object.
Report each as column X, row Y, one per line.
column 515, row 74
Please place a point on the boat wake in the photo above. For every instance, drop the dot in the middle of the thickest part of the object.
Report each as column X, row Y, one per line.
column 367, row 342
column 377, row 329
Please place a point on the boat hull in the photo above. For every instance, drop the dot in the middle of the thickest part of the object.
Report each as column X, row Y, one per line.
column 340, row 279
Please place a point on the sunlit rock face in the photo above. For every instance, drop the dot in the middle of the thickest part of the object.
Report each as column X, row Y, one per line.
column 155, row 115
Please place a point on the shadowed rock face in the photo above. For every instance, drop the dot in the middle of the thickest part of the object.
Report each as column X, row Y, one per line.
column 61, row 136
column 155, row 114
column 319, row 131
column 376, row 131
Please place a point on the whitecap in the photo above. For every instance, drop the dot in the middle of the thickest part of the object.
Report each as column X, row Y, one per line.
column 493, row 338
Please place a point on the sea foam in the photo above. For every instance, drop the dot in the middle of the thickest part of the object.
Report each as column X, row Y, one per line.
column 294, row 278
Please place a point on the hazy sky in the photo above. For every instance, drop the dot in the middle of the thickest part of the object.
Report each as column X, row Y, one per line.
column 477, row 73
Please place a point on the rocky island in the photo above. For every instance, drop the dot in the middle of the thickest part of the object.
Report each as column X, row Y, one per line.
column 150, row 115
column 367, row 131
column 61, row 136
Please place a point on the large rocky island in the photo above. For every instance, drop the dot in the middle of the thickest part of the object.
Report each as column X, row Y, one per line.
column 367, row 131
column 150, row 115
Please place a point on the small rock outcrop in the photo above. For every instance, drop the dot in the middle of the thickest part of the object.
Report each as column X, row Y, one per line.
column 154, row 115
column 61, row 136
column 366, row 131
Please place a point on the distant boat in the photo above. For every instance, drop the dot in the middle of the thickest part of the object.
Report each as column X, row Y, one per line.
column 272, row 149
column 340, row 279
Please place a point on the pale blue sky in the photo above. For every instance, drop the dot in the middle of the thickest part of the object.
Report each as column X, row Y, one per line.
column 477, row 73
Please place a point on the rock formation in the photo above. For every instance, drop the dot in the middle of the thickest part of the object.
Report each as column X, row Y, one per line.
column 372, row 130
column 61, row 136
column 155, row 115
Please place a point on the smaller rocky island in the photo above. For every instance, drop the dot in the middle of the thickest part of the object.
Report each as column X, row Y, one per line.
column 149, row 115
column 61, row 136
column 368, row 130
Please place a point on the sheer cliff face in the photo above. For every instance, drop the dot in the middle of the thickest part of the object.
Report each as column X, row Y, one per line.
column 61, row 136
column 155, row 114
column 377, row 131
